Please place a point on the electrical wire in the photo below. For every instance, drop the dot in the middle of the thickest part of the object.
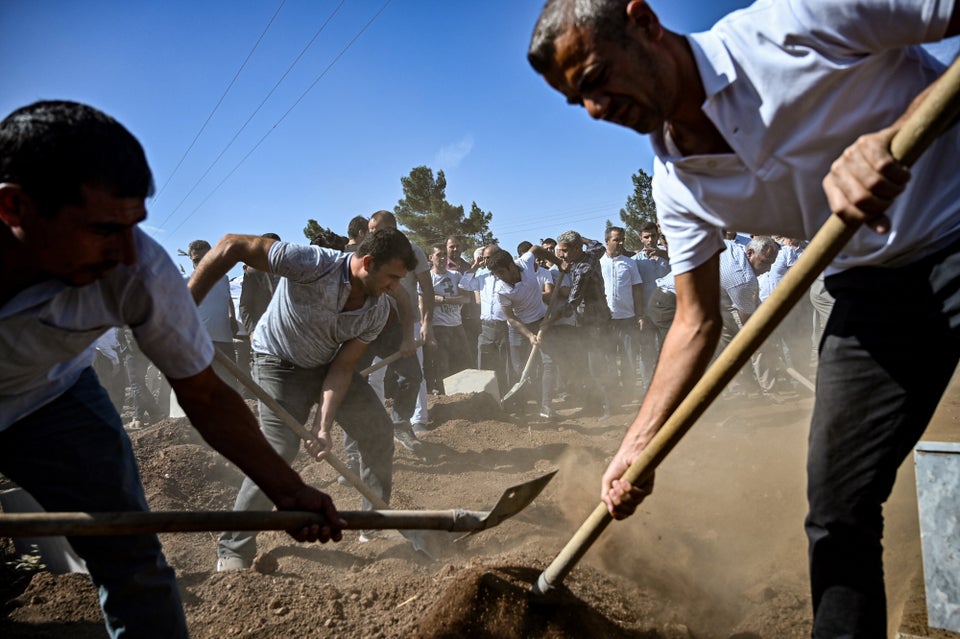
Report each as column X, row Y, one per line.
column 286, row 113
column 252, row 115
column 220, row 101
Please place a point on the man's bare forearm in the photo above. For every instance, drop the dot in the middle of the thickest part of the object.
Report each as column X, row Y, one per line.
column 252, row 250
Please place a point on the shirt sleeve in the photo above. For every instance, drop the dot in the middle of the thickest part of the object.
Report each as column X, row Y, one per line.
column 166, row 324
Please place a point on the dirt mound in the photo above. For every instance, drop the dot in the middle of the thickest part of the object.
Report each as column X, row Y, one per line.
column 718, row 552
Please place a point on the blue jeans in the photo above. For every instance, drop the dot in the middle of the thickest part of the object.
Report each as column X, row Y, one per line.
column 73, row 455
column 888, row 351
column 360, row 414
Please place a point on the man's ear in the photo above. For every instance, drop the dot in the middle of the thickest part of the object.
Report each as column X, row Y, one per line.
column 641, row 14
column 367, row 263
column 13, row 202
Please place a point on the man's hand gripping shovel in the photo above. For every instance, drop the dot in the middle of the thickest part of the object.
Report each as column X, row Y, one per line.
column 412, row 525
column 938, row 111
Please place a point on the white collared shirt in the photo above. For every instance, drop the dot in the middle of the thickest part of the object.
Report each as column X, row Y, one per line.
column 620, row 275
column 525, row 297
column 790, row 84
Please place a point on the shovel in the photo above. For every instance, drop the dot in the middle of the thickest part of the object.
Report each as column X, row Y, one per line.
column 419, row 540
column 937, row 112
column 386, row 361
column 513, row 500
column 528, row 368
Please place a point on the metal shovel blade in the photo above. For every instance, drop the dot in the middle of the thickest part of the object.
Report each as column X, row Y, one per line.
column 516, row 387
column 511, row 502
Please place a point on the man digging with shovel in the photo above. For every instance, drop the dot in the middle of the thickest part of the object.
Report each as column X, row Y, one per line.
column 327, row 307
column 746, row 121
column 74, row 263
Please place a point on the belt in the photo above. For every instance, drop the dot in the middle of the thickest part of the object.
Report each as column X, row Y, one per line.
column 489, row 322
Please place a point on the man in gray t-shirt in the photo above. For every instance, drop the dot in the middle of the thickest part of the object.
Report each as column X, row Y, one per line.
column 327, row 308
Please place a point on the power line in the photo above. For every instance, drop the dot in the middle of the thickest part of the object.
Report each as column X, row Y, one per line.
column 286, row 113
column 252, row 115
column 220, row 101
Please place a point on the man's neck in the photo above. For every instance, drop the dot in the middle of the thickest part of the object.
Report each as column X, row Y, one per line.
column 16, row 273
column 358, row 296
column 691, row 131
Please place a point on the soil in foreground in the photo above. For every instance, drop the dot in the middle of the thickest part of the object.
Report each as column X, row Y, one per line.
column 717, row 553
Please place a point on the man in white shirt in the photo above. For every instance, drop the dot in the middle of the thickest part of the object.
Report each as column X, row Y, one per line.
column 73, row 263
column 521, row 298
column 493, row 348
column 449, row 353
column 746, row 120
column 622, row 285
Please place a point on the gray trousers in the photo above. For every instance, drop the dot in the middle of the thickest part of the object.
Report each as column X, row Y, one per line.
column 361, row 415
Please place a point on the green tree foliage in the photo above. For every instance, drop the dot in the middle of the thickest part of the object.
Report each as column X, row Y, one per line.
column 427, row 218
column 639, row 208
column 322, row 236
column 311, row 229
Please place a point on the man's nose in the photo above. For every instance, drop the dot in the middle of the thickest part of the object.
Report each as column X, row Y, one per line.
column 596, row 105
column 123, row 248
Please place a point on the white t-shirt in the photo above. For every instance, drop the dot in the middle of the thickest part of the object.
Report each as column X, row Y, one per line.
column 48, row 331
column 214, row 311
column 525, row 297
column 447, row 285
column 790, row 84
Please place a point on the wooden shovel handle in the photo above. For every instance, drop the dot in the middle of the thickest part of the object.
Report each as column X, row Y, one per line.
column 931, row 118
column 386, row 361
column 133, row 523
column 298, row 428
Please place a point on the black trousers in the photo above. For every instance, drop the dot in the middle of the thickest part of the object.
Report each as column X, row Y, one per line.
column 887, row 354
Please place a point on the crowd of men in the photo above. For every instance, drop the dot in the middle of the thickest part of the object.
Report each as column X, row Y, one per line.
column 746, row 120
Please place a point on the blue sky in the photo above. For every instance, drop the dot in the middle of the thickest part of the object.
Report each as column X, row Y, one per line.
column 443, row 83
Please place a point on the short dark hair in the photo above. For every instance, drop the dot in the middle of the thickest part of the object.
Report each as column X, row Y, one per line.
column 650, row 227
column 499, row 259
column 388, row 244
column 271, row 236
column 438, row 247
column 548, row 240
column 357, row 227
column 198, row 245
column 53, row 148
column 523, row 247
column 611, row 229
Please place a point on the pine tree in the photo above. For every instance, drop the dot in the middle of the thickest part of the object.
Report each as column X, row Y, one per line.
column 427, row 218
column 639, row 208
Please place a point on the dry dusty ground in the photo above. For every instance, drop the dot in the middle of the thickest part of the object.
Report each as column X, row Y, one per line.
column 717, row 552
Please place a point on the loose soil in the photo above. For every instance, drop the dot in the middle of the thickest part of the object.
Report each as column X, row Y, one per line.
column 718, row 552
